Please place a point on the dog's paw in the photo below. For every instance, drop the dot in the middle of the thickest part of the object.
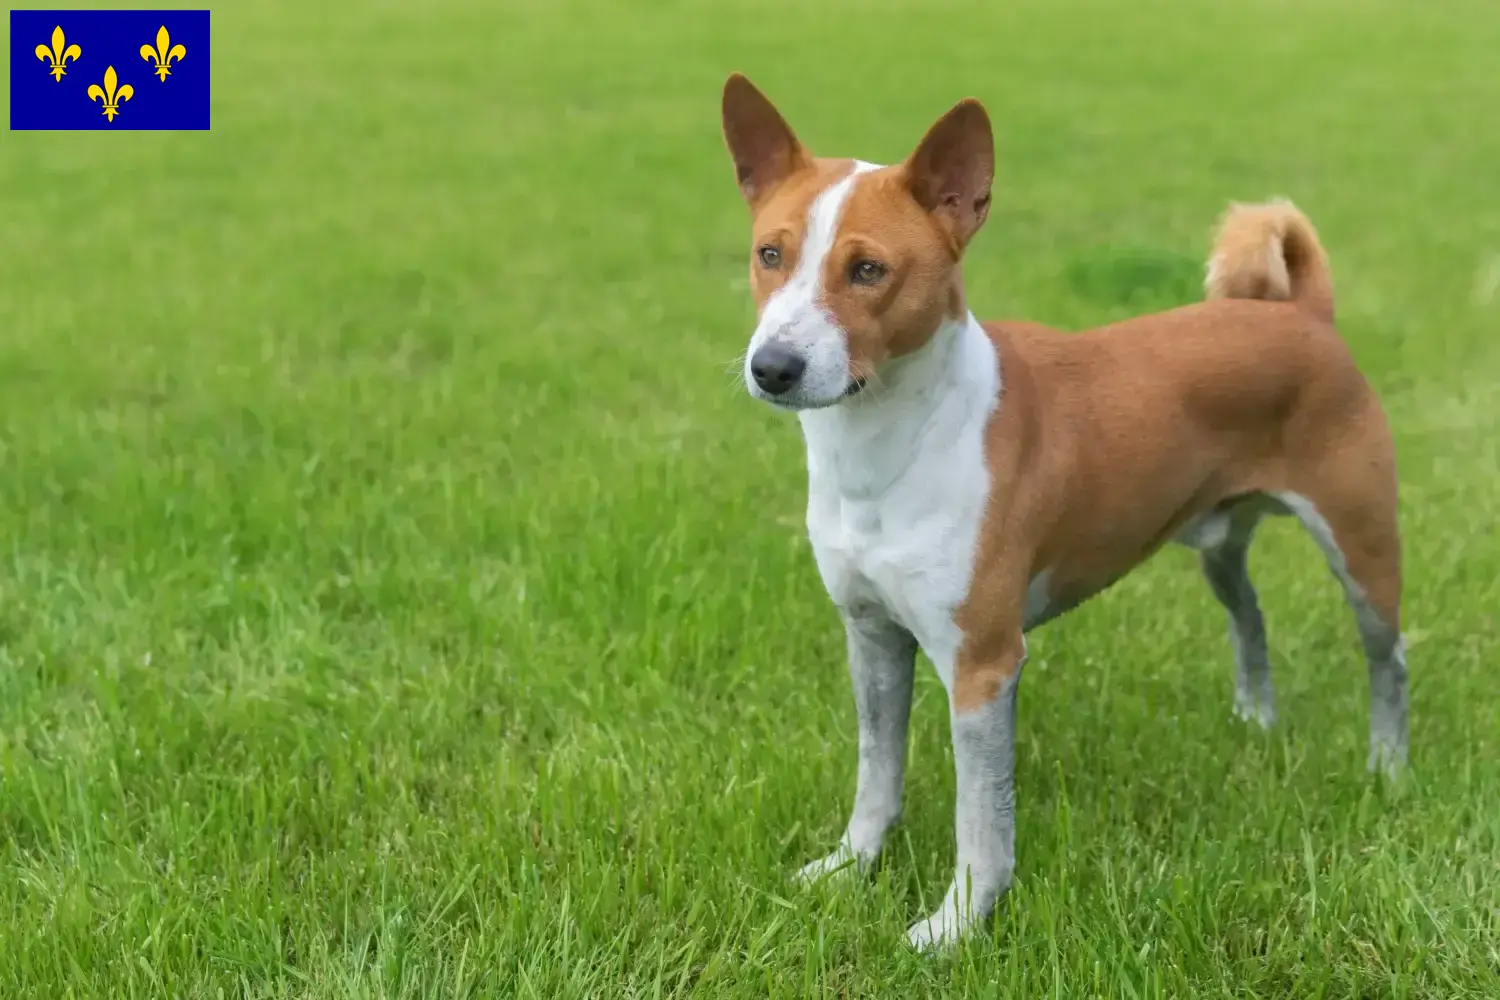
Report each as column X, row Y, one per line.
column 1387, row 758
column 960, row 912
column 1247, row 708
column 943, row 928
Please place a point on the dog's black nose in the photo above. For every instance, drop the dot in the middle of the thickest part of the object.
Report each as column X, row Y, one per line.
column 776, row 369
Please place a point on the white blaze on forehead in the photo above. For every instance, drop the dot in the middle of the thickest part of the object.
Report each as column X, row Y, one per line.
column 822, row 227
column 793, row 316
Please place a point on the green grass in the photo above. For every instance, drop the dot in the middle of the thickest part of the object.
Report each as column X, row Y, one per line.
column 399, row 599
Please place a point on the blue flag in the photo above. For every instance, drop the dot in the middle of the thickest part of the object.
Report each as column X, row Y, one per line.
column 109, row 69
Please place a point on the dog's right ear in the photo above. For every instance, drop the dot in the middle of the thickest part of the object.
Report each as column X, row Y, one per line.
column 764, row 149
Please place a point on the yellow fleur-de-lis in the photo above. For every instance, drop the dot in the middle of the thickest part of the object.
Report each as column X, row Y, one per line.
column 163, row 53
column 59, row 54
column 109, row 94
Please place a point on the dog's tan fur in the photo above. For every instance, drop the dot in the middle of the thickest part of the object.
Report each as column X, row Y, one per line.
column 1271, row 252
column 1124, row 434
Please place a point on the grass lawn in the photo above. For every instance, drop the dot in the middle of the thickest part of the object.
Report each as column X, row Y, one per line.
column 399, row 597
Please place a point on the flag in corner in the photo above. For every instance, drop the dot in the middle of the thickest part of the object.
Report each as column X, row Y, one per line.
column 141, row 70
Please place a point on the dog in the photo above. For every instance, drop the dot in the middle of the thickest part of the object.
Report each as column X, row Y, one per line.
column 969, row 481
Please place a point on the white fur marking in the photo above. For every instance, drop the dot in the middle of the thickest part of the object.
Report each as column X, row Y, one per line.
column 1322, row 533
column 794, row 318
column 1038, row 596
column 1206, row 531
column 897, row 487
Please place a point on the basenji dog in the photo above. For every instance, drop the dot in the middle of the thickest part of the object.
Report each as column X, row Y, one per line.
column 968, row 481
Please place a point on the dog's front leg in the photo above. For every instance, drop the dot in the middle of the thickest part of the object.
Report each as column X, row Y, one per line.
column 982, row 705
column 882, row 656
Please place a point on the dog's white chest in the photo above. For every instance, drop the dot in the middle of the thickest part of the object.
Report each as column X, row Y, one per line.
column 911, row 555
column 897, row 495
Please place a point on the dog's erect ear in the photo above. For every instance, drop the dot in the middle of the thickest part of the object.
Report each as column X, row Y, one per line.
column 951, row 170
column 764, row 149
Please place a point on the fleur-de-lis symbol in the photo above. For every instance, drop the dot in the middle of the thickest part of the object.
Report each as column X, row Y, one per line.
column 59, row 54
column 110, row 95
column 163, row 53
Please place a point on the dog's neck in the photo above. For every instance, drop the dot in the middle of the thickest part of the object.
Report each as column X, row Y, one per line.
column 916, row 406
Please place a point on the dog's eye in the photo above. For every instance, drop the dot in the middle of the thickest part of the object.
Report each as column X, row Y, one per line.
column 770, row 257
column 866, row 272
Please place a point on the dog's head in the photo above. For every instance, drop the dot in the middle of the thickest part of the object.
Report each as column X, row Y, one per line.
column 852, row 265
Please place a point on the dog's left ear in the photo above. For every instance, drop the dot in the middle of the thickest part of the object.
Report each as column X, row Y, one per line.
column 951, row 170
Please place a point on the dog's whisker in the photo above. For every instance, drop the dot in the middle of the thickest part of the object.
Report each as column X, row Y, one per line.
column 737, row 363
column 865, row 373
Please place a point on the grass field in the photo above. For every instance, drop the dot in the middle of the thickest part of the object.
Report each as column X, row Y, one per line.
column 399, row 598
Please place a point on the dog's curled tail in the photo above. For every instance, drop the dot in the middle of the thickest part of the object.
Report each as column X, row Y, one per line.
column 1270, row 251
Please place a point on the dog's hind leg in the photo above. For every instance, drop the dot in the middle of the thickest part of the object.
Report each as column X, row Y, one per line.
column 1363, row 549
column 1222, row 539
column 1226, row 567
column 1344, row 493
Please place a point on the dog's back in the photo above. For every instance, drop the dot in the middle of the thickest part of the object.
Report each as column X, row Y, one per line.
column 1130, row 435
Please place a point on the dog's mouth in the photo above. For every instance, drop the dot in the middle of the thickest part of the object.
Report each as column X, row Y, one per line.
column 852, row 389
